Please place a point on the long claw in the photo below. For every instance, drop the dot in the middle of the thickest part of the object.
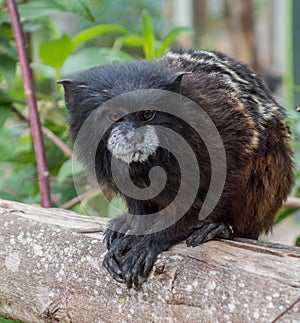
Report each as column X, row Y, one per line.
column 113, row 268
column 208, row 232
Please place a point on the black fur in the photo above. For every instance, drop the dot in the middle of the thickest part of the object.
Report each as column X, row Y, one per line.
column 255, row 137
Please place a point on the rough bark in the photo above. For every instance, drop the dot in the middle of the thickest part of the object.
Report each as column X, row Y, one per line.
column 50, row 272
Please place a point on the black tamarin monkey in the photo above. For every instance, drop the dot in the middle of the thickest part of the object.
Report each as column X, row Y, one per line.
column 254, row 132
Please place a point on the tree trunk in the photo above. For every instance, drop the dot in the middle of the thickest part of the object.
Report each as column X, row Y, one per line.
column 200, row 18
column 50, row 272
column 240, row 27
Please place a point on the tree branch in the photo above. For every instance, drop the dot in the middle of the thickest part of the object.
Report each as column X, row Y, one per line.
column 49, row 272
column 78, row 199
column 49, row 134
column 38, row 144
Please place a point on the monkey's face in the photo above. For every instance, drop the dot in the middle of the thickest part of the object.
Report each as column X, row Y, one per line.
column 133, row 138
column 139, row 127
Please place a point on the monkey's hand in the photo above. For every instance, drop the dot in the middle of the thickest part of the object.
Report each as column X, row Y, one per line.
column 131, row 258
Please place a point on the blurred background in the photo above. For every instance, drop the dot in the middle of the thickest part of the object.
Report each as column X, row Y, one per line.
column 67, row 36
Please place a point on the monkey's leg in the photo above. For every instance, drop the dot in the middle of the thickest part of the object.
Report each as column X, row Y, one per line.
column 209, row 231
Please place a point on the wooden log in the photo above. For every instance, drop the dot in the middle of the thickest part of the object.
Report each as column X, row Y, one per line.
column 50, row 272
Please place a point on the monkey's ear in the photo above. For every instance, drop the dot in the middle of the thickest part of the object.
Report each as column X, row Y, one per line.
column 64, row 82
column 69, row 93
column 175, row 83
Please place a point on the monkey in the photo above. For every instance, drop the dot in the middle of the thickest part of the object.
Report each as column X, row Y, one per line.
column 252, row 127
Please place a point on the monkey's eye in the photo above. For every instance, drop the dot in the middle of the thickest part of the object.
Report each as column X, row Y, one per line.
column 148, row 115
column 114, row 116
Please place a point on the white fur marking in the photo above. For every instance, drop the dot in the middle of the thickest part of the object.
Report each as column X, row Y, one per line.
column 214, row 60
column 135, row 145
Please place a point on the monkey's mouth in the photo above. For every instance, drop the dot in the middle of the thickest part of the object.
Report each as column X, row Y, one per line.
column 133, row 146
column 132, row 155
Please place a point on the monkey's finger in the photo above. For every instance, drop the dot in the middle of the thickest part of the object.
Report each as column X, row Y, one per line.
column 117, row 256
column 199, row 235
column 222, row 231
column 111, row 237
column 128, row 279
column 137, row 268
column 208, row 232
column 195, row 238
column 129, row 272
column 132, row 267
column 113, row 268
column 149, row 262
column 137, row 272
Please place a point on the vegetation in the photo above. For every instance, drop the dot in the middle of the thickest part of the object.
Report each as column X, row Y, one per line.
column 54, row 55
column 108, row 31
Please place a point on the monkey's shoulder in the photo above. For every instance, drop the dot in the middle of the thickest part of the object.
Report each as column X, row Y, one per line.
column 220, row 70
column 231, row 93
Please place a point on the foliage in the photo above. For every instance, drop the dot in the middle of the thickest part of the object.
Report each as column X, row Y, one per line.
column 2, row 320
column 55, row 54
column 152, row 48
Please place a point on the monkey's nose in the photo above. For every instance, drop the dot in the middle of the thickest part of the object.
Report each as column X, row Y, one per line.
column 136, row 135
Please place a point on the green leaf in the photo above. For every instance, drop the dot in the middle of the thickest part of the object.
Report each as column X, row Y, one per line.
column 81, row 7
column 148, row 35
column 7, row 196
column 38, row 8
column 116, row 207
column 131, row 40
column 3, row 320
column 96, row 31
column 55, row 52
column 32, row 26
column 5, row 99
column 68, row 169
column 6, row 48
column 14, row 95
column 6, row 31
column 284, row 213
column 297, row 242
column 8, row 68
column 49, row 72
column 22, row 157
column 170, row 38
column 93, row 56
column 65, row 170
column 4, row 113
column 7, row 145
